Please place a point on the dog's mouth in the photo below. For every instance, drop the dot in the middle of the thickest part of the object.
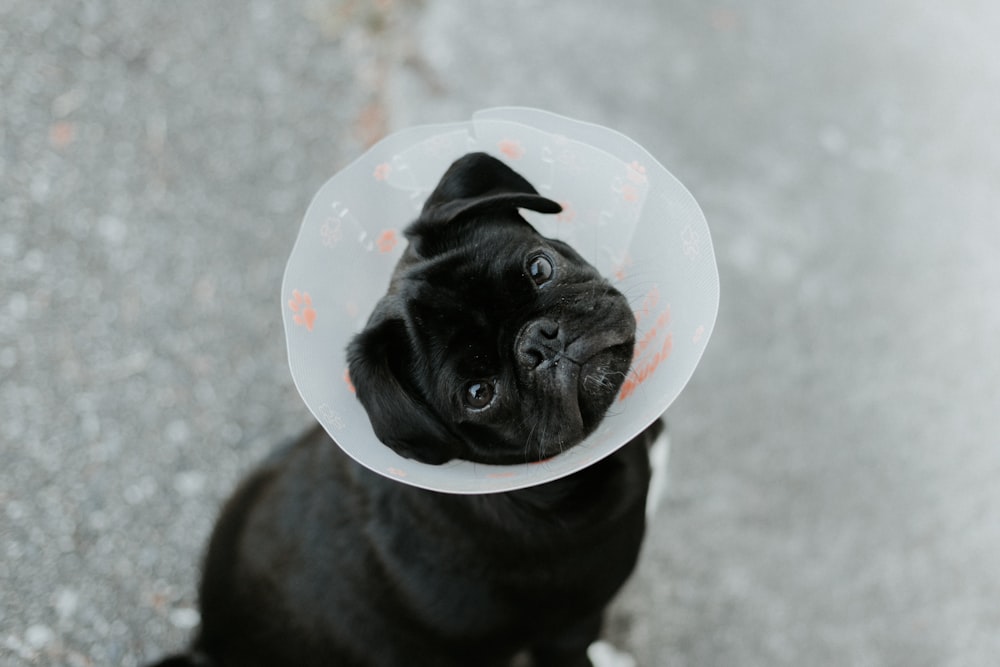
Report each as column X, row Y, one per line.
column 575, row 388
column 603, row 374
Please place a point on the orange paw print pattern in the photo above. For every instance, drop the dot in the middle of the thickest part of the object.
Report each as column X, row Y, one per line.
column 636, row 173
column 386, row 241
column 301, row 305
column 568, row 213
column 511, row 148
column 621, row 268
column 382, row 171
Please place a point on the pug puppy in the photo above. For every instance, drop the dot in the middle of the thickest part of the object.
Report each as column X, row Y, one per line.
column 492, row 344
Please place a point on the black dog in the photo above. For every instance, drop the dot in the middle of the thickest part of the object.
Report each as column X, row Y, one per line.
column 493, row 344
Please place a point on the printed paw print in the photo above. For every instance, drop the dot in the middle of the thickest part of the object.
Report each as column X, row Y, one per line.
column 568, row 213
column 382, row 171
column 330, row 417
column 629, row 187
column 621, row 268
column 511, row 148
column 301, row 305
column 386, row 241
column 636, row 173
column 691, row 242
column 330, row 232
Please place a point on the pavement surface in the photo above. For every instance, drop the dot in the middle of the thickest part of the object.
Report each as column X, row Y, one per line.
column 834, row 494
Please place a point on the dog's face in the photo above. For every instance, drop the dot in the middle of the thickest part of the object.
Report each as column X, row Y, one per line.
column 493, row 343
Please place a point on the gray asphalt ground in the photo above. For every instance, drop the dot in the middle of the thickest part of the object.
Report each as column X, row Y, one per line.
column 835, row 479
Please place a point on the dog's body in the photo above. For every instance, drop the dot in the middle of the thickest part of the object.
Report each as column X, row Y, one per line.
column 317, row 561
column 492, row 344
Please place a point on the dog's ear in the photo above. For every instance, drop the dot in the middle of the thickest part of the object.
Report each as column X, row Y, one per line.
column 474, row 176
column 380, row 362
column 474, row 184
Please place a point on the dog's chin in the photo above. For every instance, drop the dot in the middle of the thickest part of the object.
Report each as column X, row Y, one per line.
column 587, row 398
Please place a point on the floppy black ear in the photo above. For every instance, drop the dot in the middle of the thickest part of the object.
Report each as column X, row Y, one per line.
column 452, row 211
column 475, row 184
column 379, row 361
column 477, row 175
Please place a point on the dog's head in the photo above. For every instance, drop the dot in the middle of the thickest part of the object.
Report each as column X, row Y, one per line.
column 493, row 344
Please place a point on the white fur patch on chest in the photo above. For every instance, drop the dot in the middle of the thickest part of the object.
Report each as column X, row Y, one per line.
column 659, row 459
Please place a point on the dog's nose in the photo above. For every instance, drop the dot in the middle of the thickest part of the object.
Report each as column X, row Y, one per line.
column 539, row 344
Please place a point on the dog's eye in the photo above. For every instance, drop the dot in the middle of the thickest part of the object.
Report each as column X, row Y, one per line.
column 540, row 269
column 479, row 394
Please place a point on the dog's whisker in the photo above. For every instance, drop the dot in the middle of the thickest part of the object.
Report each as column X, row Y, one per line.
column 528, row 441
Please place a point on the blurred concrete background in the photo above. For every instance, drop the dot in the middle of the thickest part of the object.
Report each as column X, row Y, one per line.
column 834, row 496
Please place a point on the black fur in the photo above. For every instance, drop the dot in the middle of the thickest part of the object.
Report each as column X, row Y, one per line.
column 317, row 561
column 462, row 307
